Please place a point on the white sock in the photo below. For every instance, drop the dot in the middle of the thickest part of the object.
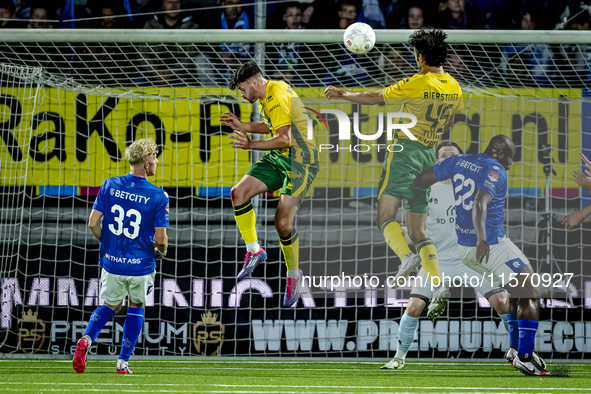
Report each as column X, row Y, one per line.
column 88, row 340
column 405, row 257
column 293, row 274
column 253, row 247
column 400, row 354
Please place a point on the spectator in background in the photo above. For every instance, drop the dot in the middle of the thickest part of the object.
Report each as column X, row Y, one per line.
column 536, row 58
column 517, row 74
column 7, row 13
column 347, row 14
column 171, row 18
column 292, row 16
column 108, row 21
column 348, row 69
column 454, row 14
column 287, row 61
column 133, row 7
column 217, row 67
column 74, row 10
column 39, row 17
column 574, row 61
column 415, row 17
column 397, row 64
column 178, row 58
column 307, row 13
column 493, row 14
column 371, row 13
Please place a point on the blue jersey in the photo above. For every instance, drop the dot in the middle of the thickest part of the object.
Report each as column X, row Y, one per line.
column 468, row 173
column 132, row 208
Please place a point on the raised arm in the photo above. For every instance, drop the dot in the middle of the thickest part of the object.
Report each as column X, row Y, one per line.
column 232, row 121
column 368, row 97
column 479, row 212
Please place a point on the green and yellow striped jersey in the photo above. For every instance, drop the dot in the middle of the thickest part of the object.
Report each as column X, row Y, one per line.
column 281, row 107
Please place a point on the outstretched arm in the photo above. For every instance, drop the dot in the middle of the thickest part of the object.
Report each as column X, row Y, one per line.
column 426, row 178
column 367, row 97
column 479, row 212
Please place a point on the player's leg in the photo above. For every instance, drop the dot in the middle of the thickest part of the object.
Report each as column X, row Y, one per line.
column 415, row 223
column 395, row 237
column 296, row 182
column 394, row 187
column 262, row 176
column 505, row 261
column 419, row 296
column 406, row 332
column 290, row 246
column 138, row 289
column 513, row 324
column 498, row 299
column 245, row 217
column 113, row 292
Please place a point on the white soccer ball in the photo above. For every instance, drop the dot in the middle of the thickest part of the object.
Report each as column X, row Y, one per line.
column 359, row 38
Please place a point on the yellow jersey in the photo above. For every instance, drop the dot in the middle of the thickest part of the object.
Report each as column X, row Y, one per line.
column 432, row 98
column 280, row 107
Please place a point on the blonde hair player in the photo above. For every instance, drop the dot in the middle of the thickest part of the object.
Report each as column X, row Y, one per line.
column 129, row 218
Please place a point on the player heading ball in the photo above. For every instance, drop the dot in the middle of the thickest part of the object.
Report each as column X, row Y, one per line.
column 434, row 97
column 129, row 218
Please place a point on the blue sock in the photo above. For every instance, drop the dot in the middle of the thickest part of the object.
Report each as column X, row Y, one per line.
column 406, row 334
column 527, row 336
column 512, row 322
column 504, row 319
column 97, row 321
column 131, row 330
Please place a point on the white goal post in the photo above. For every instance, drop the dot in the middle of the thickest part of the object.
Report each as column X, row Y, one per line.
column 72, row 100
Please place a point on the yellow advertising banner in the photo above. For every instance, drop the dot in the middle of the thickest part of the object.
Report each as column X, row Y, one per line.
column 65, row 138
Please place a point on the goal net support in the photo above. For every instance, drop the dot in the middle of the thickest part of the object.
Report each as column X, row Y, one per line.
column 72, row 100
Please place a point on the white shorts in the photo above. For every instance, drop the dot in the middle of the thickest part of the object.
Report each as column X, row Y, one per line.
column 504, row 259
column 114, row 288
column 450, row 269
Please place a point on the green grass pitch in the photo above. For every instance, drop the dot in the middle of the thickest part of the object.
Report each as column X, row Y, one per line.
column 279, row 376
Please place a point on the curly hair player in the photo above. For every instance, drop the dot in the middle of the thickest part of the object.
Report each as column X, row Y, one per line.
column 291, row 166
column 434, row 97
column 129, row 218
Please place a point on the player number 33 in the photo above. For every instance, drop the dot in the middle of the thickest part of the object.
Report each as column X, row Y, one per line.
column 117, row 228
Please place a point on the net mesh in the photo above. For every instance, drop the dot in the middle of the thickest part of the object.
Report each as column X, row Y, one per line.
column 70, row 109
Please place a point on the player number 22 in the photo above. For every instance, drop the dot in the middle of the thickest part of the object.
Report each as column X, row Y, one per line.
column 469, row 183
column 118, row 229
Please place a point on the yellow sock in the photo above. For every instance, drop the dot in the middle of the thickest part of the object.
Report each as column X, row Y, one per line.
column 395, row 237
column 428, row 254
column 246, row 221
column 290, row 246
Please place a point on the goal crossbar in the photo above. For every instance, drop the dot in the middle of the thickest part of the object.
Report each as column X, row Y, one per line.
column 283, row 35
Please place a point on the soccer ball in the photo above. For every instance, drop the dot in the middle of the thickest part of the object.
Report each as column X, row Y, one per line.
column 359, row 38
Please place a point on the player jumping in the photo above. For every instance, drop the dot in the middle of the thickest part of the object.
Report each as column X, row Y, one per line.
column 441, row 227
column 434, row 97
column 291, row 166
column 129, row 218
column 480, row 187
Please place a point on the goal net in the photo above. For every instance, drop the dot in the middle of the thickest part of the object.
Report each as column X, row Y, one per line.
column 72, row 103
